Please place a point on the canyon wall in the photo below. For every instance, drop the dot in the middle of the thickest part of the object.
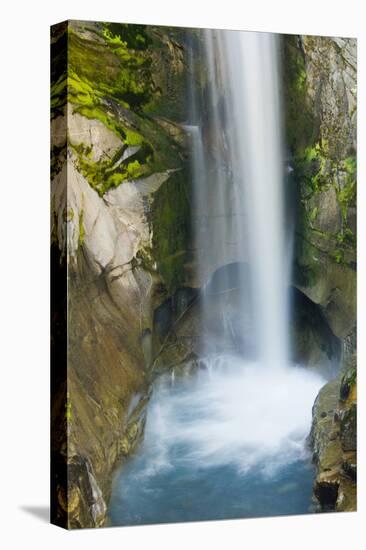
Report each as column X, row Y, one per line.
column 320, row 91
column 120, row 236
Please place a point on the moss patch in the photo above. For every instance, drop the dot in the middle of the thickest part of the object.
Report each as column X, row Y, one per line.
column 317, row 168
column 171, row 229
column 110, row 80
column 300, row 127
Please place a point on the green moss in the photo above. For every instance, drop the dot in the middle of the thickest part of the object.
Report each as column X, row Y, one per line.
column 127, row 34
column 350, row 165
column 115, row 180
column 134, row 169
column 106, row 174
column 68, row 410
column 108, row 70
column 346, row 237
column 300, row 127
column 313, row 214
column 133, row 138
column 347, row 194
column 314, row 171
column 110, row 81
column 351, row 377
column 337, row 255
column 171, row 229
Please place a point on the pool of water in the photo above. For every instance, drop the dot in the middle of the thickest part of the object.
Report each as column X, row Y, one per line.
column 227, row 442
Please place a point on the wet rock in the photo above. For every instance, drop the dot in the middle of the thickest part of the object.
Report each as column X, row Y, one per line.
column 348, row 382
column 349, row 465
column 321, row 77
column 326, row 489
column 119, row 233
column 349, row 428
column 313, row 342
column 323, row 421
column 333, row 441
column 93, row 135
column 347, row 496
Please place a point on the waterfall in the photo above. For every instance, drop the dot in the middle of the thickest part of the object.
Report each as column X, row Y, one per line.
column 240, row 200
column 228, row 437
column 253, row 78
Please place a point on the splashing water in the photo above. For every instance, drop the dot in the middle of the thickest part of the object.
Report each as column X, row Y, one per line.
column 231, row 413
column 226, row 443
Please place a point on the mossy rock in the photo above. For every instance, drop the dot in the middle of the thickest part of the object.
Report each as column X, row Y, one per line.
column 171, row 229
column 349, row 428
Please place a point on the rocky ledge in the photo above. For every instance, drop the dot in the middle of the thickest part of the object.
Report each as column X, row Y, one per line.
column 334, row 442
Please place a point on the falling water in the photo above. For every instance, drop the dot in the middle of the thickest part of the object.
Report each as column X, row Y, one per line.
column 254, row 83
column 242, row 200
column 230, row 441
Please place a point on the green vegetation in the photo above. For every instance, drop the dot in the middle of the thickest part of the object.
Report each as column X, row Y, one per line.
column 318, row 166
column 110, row 69
column 106, row 174
column 171, row 230
column 298, row 112
column 127, row 35
column 110, row 80
column 337, row 255
column 68, row 410
column 346, row 195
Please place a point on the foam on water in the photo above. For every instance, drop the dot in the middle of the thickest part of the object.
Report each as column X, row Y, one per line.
column 232, row 412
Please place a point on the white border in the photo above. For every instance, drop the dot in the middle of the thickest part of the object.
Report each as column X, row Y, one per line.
column 24, row 270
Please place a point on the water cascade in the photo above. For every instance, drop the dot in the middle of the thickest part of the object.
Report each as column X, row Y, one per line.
column 259, row 176
column 230, row 440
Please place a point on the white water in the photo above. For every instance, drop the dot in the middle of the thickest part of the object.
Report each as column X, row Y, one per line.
column 233, row 413
column 238, row 172
column 259, row 166
column 259, row 412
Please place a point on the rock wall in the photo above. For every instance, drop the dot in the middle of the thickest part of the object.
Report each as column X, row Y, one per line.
column 320, row 99
column 333, row 439
column 120, row 243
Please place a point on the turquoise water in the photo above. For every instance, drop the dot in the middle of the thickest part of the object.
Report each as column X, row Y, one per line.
column 216, row 446
column 217, row 493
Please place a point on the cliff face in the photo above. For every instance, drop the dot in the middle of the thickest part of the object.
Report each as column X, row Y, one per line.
column 320, row 97
column 120, row 233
